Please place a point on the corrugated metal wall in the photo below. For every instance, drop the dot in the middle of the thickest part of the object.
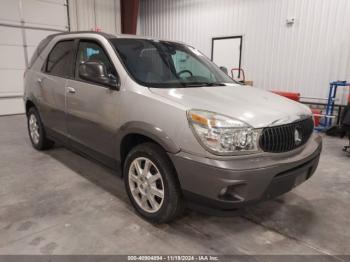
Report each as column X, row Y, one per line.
column 92, row 14
column 303, row 58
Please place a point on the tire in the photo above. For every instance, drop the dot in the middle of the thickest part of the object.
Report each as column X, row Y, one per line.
column 36, row 131
column 145, row 192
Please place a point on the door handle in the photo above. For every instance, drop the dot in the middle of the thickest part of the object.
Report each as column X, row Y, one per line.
column 70, row 90
column 40, row 81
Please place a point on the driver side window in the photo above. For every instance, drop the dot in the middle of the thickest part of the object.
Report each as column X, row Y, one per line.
column 187, row 64
column 90, row 51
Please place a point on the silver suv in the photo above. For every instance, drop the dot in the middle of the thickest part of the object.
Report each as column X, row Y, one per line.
column 176, row 126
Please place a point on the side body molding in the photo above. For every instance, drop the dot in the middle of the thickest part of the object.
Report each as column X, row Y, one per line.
column 148, row 130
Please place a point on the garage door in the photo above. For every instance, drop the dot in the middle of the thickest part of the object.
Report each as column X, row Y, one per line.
column 23, row 23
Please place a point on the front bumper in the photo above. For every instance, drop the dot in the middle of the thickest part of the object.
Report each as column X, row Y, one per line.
column 230, row 183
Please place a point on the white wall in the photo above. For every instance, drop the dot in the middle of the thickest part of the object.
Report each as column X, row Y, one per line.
column 92, row 14
column 303, row 58
column 23, row 24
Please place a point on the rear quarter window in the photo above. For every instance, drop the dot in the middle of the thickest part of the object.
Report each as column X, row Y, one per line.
column 43, row 43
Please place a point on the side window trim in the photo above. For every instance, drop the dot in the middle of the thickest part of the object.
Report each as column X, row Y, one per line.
column 75, row 57
column 76, row 62
column 44, row 66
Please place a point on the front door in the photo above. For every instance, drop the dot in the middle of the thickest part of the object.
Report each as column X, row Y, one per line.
column 92, row 109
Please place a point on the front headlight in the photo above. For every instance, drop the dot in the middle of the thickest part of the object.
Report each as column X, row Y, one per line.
column 223, row 135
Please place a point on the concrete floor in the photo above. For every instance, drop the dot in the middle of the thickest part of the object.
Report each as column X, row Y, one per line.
column 57, row 202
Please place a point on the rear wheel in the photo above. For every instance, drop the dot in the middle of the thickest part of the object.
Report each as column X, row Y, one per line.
column 151, row 183
column 36, row 131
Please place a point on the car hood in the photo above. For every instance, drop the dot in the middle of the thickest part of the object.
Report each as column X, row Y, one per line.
column 254, row 106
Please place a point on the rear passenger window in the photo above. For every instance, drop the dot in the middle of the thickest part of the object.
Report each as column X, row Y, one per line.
column 60, row 59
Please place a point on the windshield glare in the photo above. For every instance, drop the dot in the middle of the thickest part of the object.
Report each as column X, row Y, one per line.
column 167, row 64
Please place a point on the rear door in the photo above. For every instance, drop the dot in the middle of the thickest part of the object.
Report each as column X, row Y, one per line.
column 52, row 81
column 92, row 109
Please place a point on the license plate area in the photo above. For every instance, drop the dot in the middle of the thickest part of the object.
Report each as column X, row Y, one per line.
column 284, row 183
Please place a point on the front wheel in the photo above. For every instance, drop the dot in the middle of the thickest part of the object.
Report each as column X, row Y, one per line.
column 151, row 183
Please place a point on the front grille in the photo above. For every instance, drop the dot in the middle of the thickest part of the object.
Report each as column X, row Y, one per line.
column 287, row 137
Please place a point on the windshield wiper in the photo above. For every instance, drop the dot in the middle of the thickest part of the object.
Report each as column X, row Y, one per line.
column 198, row 84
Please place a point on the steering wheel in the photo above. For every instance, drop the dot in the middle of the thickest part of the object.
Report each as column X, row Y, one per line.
column 184, row 71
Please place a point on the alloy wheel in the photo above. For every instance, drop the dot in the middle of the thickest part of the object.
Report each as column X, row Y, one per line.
column 146, row 184
column 34, row 129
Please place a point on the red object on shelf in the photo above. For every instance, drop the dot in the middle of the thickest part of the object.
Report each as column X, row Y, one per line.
column 290, row 95
column 317, row 118
column 296, row 97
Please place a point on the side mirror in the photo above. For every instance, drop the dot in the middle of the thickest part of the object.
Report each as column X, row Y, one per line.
column 96, row 72
column 224, row 69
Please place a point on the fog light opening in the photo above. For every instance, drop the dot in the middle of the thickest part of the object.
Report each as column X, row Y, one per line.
column 228, row 193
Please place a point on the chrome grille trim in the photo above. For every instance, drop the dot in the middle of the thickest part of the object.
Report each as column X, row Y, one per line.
column 281, row 138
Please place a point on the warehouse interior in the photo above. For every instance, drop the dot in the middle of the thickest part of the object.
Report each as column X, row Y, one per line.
column 58, row 202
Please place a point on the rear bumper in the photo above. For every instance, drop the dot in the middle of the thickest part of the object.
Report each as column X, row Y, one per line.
column 229, row 184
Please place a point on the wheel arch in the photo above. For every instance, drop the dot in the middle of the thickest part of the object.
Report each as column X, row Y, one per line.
column 29, row 104
column 135, row 133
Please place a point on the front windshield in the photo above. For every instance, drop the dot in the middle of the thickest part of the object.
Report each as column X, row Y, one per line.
column 167, row 64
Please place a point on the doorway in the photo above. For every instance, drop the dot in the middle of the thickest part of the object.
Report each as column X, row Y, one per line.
column 227, row 52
